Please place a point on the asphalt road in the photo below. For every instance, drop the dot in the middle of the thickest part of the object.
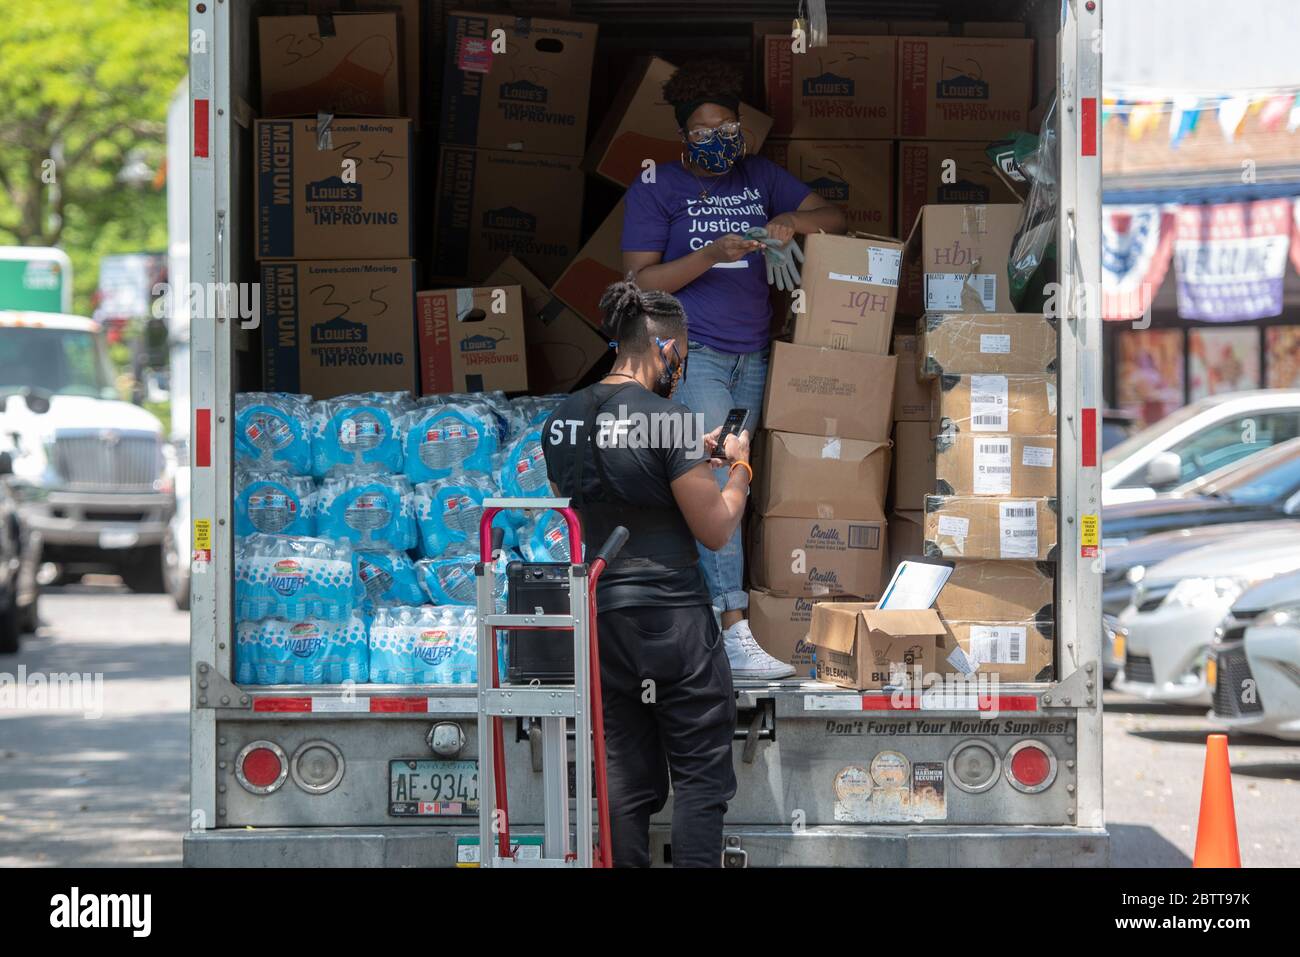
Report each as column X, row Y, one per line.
column 111, row 790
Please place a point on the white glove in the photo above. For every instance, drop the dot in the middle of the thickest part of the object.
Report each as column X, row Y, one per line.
column 780, row 258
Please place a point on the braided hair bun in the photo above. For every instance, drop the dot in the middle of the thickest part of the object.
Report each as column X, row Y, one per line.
column 634, row 316
column 702, row 81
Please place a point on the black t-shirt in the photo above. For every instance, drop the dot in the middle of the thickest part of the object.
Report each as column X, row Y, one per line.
column 644, row 443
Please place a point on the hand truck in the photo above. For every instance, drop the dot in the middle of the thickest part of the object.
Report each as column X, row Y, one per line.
column 553, row 704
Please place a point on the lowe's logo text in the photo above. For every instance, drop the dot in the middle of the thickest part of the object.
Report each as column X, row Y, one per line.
column 478, row 344
column 962, row 88
column 333, row 190
column 339, row 332
column 828, row 84
column 523, row 91
column 510, row 218
column 829, row 189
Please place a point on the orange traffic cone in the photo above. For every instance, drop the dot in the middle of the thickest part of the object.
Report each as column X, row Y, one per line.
column 1216, row 831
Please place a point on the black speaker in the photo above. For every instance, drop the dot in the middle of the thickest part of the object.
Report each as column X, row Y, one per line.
column 535, row 654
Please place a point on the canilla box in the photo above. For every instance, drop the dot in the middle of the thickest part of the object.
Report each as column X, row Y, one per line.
column 813, row 476
column 820, row 391
column 780, row 625
column 817, row 557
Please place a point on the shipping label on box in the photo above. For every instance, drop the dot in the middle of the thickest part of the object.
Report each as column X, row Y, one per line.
column 850, row 286
column 335, row 327
column 780, row 625
column 334, row 190
column 1007, row 343
column 471, row 340
column 971, row 404
column 1014, row 651
column 641, row 126
column 818, row 391
column 812, row 476
column 945, row 174
column 962, row 88
column 516, row 83
column 848, row 84
column 994, row 590
column 911, row 393
column 855, row 175
column 859, row 646
column 956, row 259
column 344, row 63
column 495, row 203
column 912, row 477
column 972, row 464
column 598, row 264
column 817, row 557
column 974, row 527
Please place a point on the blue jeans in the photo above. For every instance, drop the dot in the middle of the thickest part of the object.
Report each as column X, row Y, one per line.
column 717, row 382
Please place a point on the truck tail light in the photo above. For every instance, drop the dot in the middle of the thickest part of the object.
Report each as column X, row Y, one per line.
column 261, row 767
column 1031, row 766
column 973, row 766
column 317, row 767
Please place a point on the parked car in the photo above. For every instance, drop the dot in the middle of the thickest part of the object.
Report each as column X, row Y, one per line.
column 1254, row 666
column 1113, row 637
column 1196, row 440
column 1179, row 603
column 1116, row 426
column 19, row 550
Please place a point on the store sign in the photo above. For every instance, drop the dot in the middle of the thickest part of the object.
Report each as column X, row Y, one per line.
column 1230, row 259
column 1137, row 242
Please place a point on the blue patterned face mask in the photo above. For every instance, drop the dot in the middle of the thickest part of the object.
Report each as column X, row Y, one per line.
column 719, row 154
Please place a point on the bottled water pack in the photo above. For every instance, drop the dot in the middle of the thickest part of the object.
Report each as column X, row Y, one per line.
column 523, row 470
column 384, row 578
column 273, row 431
column 424, row 645
column 292, row 577
column 358, row 432
column 451, row 580
column 370, row 511
column 446, row 438
column 310, row 651
column 545, row 539
column 448, row 513
column 276, row 503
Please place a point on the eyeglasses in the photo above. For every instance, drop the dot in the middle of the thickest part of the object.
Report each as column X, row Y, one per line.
column 705, row 134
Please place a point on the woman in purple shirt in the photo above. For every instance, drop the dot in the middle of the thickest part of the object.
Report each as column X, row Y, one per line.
column 683, row 234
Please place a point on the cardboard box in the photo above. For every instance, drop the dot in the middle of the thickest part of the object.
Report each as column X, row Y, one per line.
column 860, row 646
column 811, row 476
column 496, row 203
column 1023, row 404
column 1015, row 651
column 855, row 175
column 817, row 557
column 958, row 259
column 963, row 88
column 335, row 327
column 560, row 344
column 640, row 126
column 849, row 84
column 945, row 174
column 531, row 97
column 1007, row 343
column 819, row 391
column 906, row 540
column 598, row 263
column 912, row 477
column 850, row 286
column 973, row 464
column 761, row 29
column 471, row 340
column 989, row 590
column 344, row 63
column 1003, row 528
column 780, row 625
column 306, row 209
column 911, row 393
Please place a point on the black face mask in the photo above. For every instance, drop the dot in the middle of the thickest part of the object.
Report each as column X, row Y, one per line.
column 666, row 381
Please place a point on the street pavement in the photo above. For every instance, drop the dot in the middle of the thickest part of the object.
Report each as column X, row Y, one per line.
column 112, row 790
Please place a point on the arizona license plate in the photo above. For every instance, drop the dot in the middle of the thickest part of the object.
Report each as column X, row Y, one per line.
column 432, row 788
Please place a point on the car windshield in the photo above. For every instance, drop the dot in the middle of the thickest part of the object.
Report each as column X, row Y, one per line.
column 1276, row 478
column 61, row 361
column 1150, row 434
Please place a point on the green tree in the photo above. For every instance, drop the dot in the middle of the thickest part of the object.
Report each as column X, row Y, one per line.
column 84, row 88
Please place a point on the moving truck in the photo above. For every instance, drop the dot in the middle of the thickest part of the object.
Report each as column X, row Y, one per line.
column 306, row 775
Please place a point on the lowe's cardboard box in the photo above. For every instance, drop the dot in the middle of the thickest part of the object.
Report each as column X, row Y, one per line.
column 993, row 590
column 598, row 263
column 911, row 392
column 817, row 557
column 855, row 175
column 945, row 174
column 560, row 344
column 912, row 477
column 956, row 259
column 813, row 476
column 1023, row 529
column 526, row 90
column 345, row 63
column 780, row 625
column 820, row 391
column 497, row 203
column 963, row 88
column 863, row 647
column 1007, row 343
column 641, row 125
column 471, row 340
column 1012, row 650
column 972, row 464
column 310, row 206
column 849, row 84
column 331, row 327
column 850, row 287
column 1023, row 404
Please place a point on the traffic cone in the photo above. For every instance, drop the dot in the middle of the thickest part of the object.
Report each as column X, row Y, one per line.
column 1216, row 830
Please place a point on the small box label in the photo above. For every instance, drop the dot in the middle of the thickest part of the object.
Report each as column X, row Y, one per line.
column 1018, row 525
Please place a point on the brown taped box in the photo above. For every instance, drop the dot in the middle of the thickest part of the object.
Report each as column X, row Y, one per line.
column 471, row 340
column 492, row 204
column 855, row 175
column 761, row 29
column 817, row 557
column 906, row 540
column 818, row 391
column 780, row 625
column 599, row 262
column 974, row 464
column 812, row 476
column 945, row 174
column 859, row 646
column 990, row 403
column 911, row 393
column 911, row 478
column 532, row 96
column 332, row 327
column 306, row 210
column 994, row 590
column 1007, row 343
column 956, row 257
column 306, row 69
column 1015, row 651
column 850, row 287
column 641, row 125
column 847, row 84
column 963, row 88
column 959, row 526
column 561, row 345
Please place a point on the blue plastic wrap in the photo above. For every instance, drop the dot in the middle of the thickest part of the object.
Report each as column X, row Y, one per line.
column 384, row 578
column 273, row 431
column 275, row 503
column 311, row 651
column 424, row 645
column 292, row 577
column 443, row 439
column 370, row 511
column 358, row 432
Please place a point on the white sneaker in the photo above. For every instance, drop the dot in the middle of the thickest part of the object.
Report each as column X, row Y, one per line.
column 747, row 659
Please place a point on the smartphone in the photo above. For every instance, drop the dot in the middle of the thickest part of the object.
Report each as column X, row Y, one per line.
column 734, row 424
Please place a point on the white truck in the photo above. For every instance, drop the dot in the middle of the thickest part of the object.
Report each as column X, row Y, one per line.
column 312, row 776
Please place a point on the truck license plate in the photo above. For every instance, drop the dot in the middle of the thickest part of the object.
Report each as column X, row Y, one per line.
column 432, row 788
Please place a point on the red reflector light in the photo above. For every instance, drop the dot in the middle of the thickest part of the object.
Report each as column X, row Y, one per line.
column 1031, row 767
column 262, row 767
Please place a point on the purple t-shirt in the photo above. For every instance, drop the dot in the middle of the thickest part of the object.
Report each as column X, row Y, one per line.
column 726, row 308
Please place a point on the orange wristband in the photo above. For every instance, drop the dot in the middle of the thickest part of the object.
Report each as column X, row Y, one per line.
column 745, row 466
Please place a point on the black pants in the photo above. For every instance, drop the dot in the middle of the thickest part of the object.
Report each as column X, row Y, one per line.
column 669, row 714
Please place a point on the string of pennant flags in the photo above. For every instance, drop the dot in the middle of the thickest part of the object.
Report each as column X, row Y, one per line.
column 1277, row 110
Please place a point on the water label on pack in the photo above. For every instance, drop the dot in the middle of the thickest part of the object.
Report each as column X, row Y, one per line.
column 883, row 266
column 447, row 444
column 997, row 644
column 991, row 467
column 270, row 433
column 460, row 513
column 943, row 290
column 999, row 345
column 368, row 512
column 1018, row 527
column 287, row 577
column 989, row 407
column 361, row 432
column 1038, row 456
column 951, row 526
column 271, row 510
column 375, row 579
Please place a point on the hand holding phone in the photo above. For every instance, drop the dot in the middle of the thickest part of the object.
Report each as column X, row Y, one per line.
column 734, row 424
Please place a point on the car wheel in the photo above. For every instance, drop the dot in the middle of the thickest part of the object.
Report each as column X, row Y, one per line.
column 9, row 633
column 29, row 618
column 144, row 572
